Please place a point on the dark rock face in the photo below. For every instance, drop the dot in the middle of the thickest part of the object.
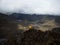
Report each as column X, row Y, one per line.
column 56, row 30
column 32, row 37
column 36, row 37
column 7, row 30
column 54, row 37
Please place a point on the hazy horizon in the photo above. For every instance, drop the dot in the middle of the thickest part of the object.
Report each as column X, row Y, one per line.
column 30, row 6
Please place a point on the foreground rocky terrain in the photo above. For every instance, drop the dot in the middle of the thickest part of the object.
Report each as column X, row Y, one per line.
column 32, row 37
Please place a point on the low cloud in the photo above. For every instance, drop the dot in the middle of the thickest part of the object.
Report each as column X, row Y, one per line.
column 30, row 6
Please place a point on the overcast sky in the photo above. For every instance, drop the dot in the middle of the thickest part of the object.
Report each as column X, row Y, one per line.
column 30, row 6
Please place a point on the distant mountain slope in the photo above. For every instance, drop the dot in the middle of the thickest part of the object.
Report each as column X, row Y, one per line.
column 34, row 17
